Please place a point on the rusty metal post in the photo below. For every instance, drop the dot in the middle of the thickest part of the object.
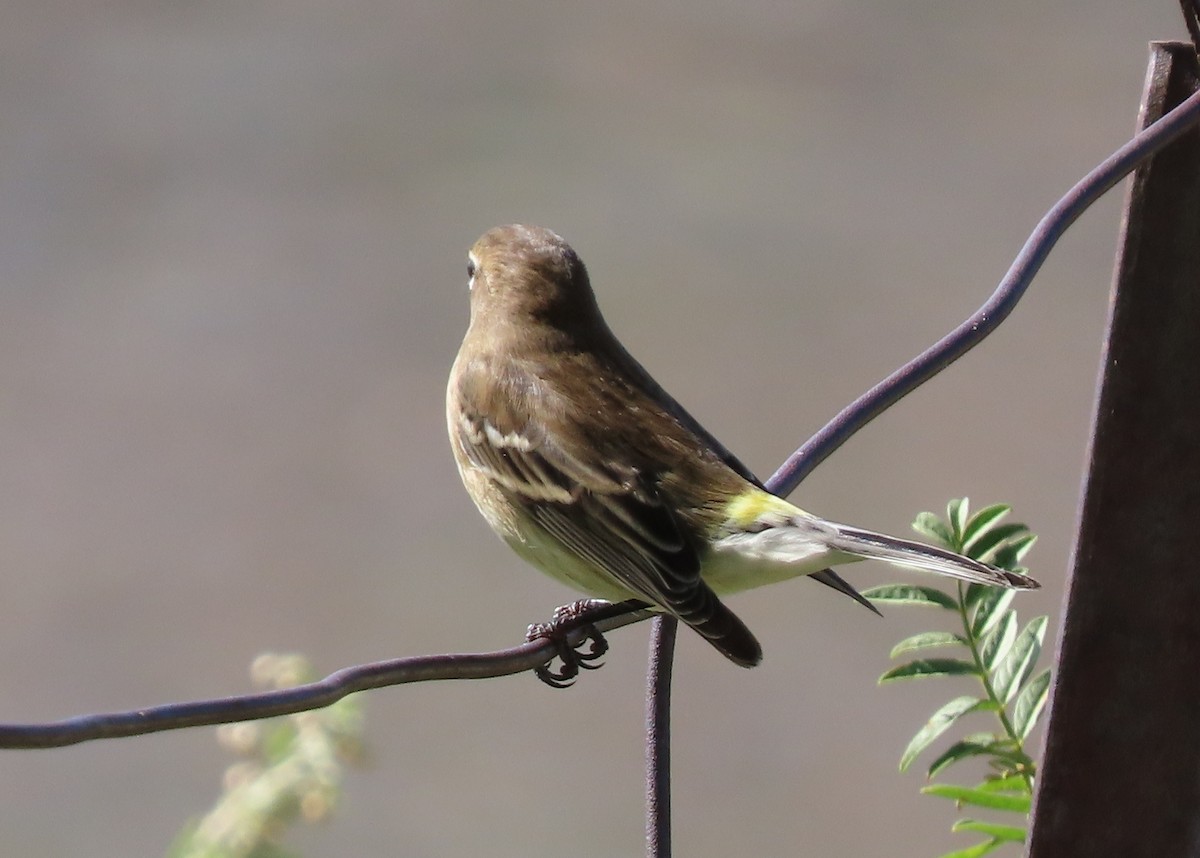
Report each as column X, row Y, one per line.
column 1121, row 771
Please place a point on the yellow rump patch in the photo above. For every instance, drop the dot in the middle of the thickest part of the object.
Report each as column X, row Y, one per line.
column 754, row 505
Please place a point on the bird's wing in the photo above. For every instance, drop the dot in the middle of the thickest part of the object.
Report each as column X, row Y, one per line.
column 605, row 513
column 591, row 494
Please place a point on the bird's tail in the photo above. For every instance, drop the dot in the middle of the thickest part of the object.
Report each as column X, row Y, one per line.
column 904, row 552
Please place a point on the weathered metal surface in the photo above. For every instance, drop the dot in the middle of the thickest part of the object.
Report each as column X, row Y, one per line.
column 1121, row 770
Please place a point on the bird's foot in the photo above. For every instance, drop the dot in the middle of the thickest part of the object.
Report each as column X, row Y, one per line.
column 566, row 619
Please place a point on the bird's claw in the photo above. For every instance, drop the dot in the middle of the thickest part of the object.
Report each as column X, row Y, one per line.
column 567, row 619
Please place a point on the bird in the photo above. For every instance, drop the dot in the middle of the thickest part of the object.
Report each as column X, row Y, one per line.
column 590, row 471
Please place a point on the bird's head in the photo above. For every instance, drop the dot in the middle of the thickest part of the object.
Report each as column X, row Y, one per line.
column 523, row 276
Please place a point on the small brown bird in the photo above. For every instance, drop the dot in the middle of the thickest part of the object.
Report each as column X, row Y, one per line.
column 589, row 470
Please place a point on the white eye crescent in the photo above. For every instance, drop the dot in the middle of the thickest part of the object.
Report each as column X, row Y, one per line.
column 472, row 265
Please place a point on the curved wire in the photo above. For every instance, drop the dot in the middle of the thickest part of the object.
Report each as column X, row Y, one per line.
column 528, row 656
column 313, row 695
column 971, row 332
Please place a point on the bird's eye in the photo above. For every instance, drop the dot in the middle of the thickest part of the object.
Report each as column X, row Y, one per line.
column 470, row 273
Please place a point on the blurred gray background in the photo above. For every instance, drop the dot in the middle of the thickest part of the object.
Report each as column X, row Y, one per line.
column 232, row 244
